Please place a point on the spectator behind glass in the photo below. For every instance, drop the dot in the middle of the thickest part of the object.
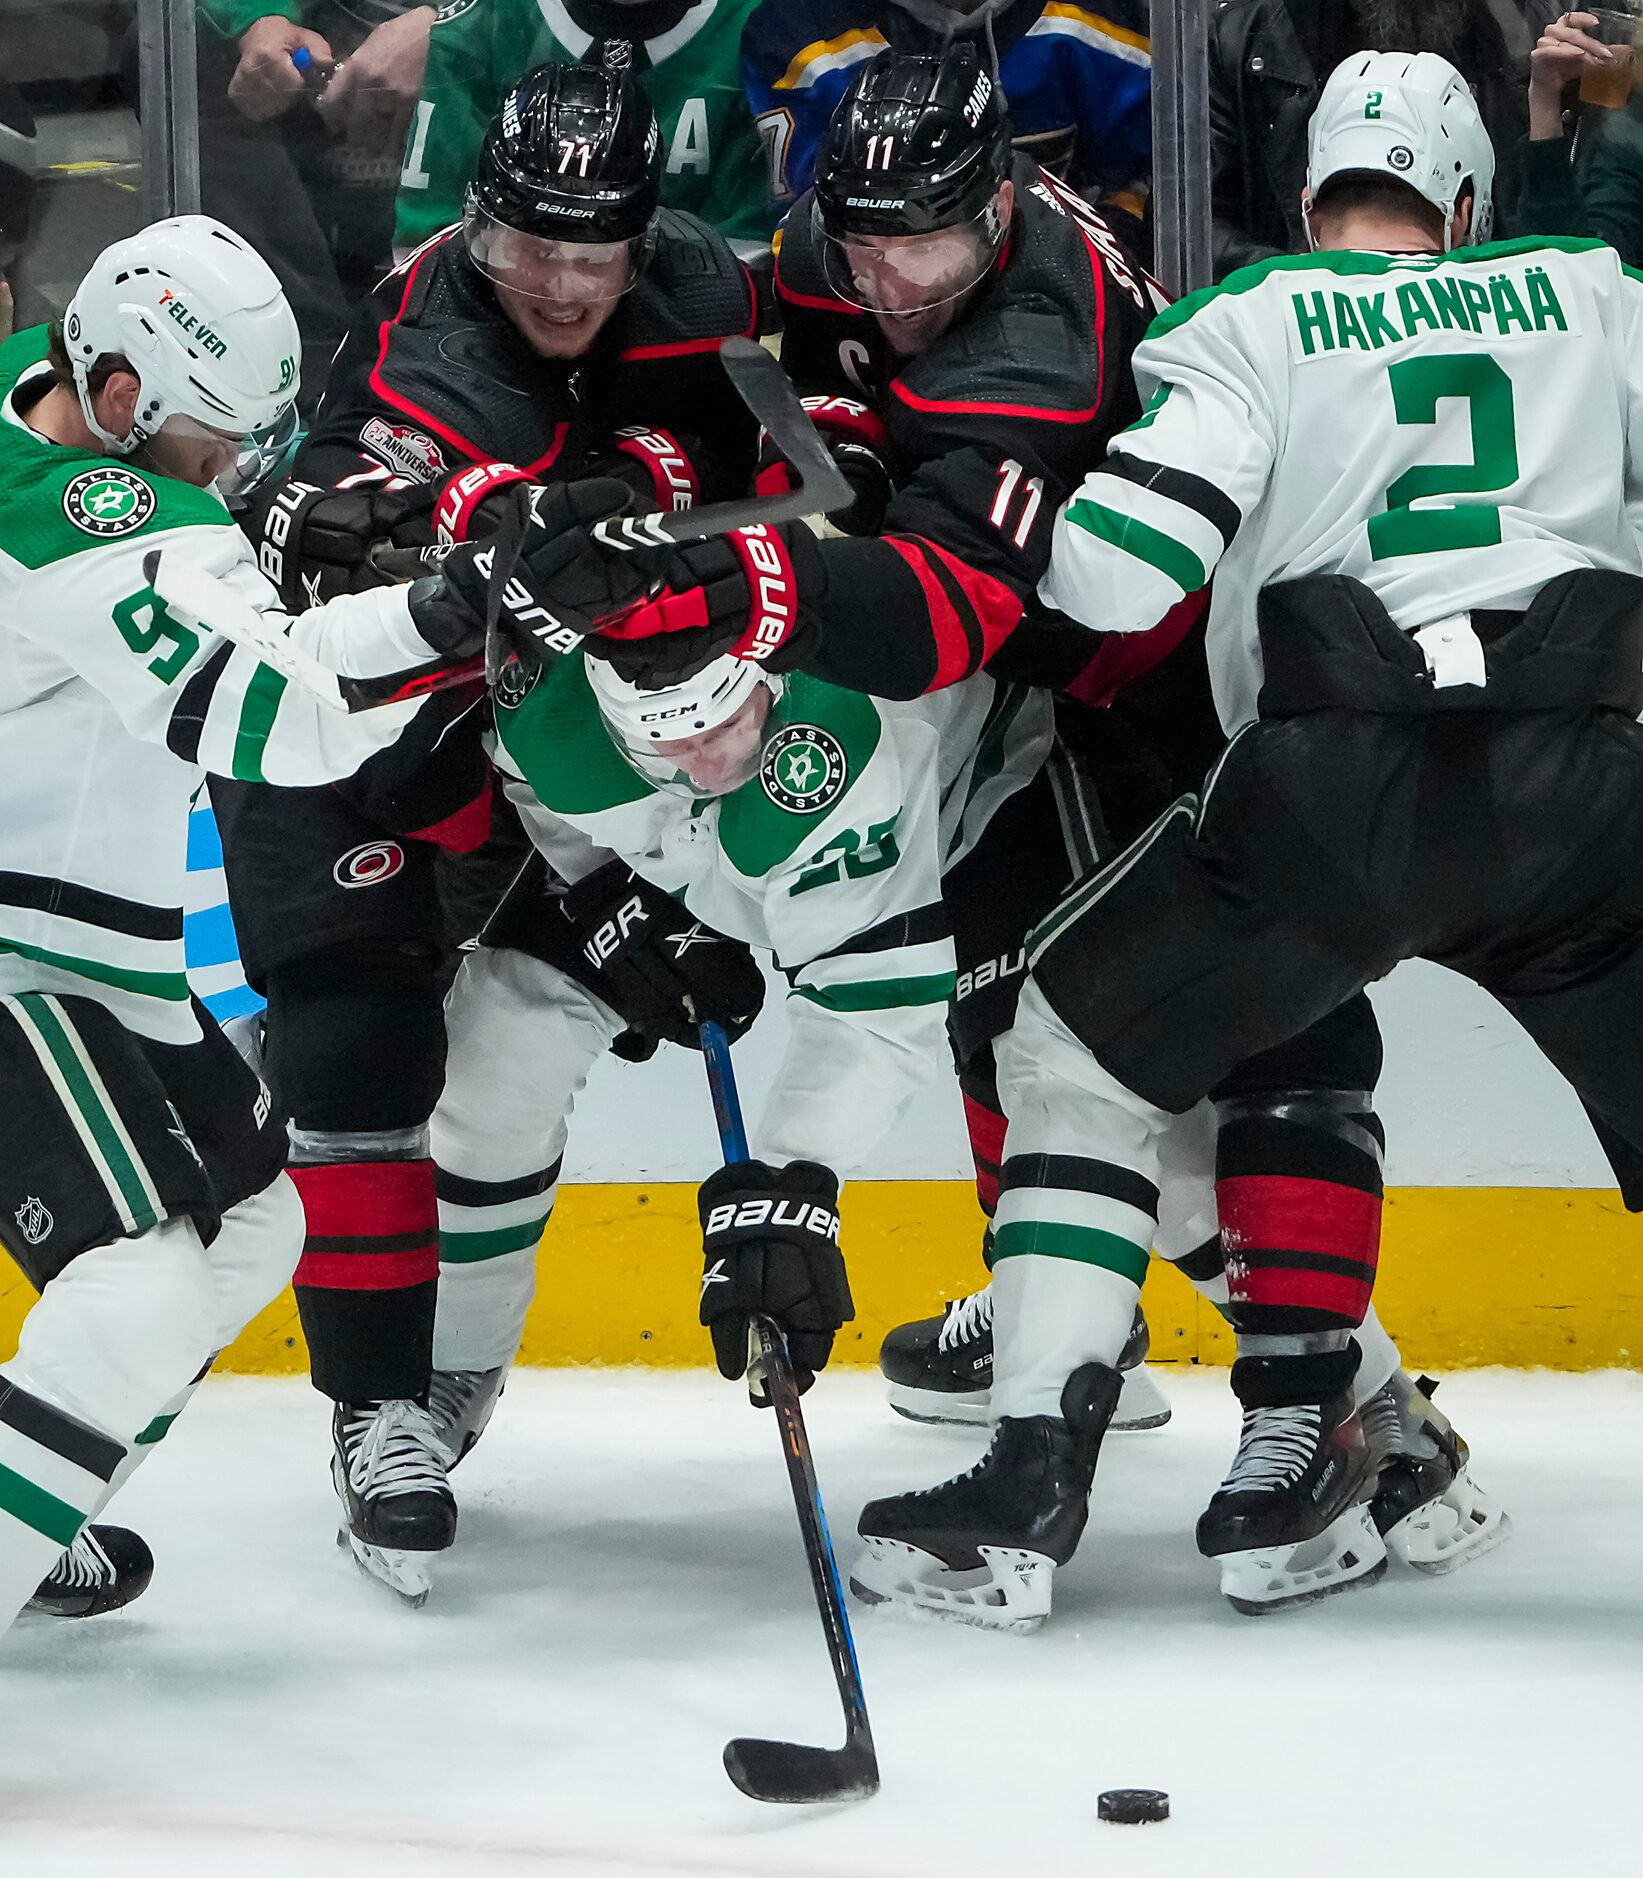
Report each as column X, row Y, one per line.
column 304, row 162
column 1267, row 63
column 17, row 170
column 1583, row 163
column 684, row 51
column 1077, row 80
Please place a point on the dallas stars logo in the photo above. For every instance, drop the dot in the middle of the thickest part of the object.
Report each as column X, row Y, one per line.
column 804, row 769
column 108, row 502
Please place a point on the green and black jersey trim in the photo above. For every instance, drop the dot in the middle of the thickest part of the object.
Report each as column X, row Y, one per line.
column 50, row 1032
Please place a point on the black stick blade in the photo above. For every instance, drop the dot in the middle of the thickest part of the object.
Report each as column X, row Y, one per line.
column 788, row 1773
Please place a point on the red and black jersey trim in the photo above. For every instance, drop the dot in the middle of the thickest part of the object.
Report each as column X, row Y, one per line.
column 390, row 395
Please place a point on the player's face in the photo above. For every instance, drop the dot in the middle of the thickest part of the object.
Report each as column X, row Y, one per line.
column 725, row 757
column 914, row 285
column 192, row 452
column 559, row 294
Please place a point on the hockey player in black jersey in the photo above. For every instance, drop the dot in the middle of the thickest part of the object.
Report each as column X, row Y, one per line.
column 568, row 328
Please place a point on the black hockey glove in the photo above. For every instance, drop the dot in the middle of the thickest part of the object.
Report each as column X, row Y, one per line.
column 314, row 543
column 659, row 968
column 549, row 582
column 770, row 1244
column 751, row 591
column 856, row 440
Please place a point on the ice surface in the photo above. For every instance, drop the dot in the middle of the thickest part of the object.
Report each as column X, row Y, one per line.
column 628, row 1592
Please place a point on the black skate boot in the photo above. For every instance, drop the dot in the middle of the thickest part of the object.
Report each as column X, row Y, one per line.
column 982, row 1548
column 1427, row 1507
column 461, row 1402
column 940, row 1369
column 106, row 1568
column 1289, row 1524
column 389, row 1472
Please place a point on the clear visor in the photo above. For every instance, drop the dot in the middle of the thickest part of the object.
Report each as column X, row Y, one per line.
column 578, row 273
column 911, row 273
column 710, row 763
column 263, row 455
column 194, row 451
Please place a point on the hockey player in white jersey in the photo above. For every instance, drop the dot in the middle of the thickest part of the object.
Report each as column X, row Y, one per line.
column 802, row 819
column 140, row 1177
column 1426, row 636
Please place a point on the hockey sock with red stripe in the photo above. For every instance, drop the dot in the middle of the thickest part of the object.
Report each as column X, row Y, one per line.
column 368, row 1281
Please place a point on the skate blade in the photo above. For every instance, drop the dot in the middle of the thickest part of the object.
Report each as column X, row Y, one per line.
column 936, row 1406
column 1010, row 1590
column 1141, row 1403
column 408, row 1575
column 1460, row 1525
column 1347, row 1554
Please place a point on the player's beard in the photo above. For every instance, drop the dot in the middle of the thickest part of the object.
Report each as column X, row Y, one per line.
column 1413, row 25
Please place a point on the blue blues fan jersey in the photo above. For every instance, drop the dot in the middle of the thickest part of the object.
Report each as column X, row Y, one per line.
column 1077, row 80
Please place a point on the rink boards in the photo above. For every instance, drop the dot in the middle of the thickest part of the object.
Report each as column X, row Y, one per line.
column 1529, row 1276
column 1524, row 1276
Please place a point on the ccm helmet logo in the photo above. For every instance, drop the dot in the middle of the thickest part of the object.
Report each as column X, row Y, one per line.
column 748, row 1213
column 368, row 865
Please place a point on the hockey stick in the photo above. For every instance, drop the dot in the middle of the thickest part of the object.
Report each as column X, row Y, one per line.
column 187, row 588
column 789, row 1771
column 762, row 385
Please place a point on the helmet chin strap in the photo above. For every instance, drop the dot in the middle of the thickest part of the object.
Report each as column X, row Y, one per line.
column 118, row 446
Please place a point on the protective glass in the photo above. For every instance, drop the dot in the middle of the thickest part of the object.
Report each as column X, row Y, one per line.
column 194, row 451
column 577, row 273
column 911, row 273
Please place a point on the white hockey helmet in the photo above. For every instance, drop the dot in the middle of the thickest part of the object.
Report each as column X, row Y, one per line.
column 640, row 720
column 201, row 318
column 1409, row 116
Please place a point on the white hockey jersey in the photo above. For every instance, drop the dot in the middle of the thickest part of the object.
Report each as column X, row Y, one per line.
column 1452, row 430
column 831, row 858
column 112, row 710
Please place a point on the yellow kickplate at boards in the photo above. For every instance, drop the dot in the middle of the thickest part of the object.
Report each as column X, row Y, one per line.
column 1522, row 1276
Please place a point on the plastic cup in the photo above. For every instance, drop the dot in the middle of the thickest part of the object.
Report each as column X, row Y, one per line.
column 1609, row 86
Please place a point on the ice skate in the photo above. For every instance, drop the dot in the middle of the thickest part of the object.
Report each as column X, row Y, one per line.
column 982, row 1548
column 106, row 1568
column 1291, row 1523
column 940, row 1369
column 461, row 1402
column 1427, row 1506
column 399, row 1513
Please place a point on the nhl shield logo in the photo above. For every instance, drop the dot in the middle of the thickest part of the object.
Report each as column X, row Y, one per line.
column 804, row 769
column 34, row 1221
column 108, row 502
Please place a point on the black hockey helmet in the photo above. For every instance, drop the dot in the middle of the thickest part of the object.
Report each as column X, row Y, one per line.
column 573, row 156
column 918, row 144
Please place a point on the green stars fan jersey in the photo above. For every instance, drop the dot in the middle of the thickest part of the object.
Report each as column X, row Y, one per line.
column 112, row 710
column 712, row 164
column 1451, row 430
column 831, row 858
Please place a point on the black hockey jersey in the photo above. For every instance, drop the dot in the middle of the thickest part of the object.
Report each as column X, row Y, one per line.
column 989, row 431
column 433, row 376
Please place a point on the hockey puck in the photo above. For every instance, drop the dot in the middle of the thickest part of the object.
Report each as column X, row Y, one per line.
column 1132, row 1806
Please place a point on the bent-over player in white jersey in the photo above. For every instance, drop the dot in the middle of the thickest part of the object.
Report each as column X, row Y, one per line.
column 141, row 1189
column 1413, row 467
column 810, row 822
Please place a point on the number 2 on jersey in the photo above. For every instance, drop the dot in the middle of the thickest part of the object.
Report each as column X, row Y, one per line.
column 1417, row 386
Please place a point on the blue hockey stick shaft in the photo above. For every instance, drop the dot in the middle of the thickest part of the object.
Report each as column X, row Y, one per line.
column 772, row 1770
